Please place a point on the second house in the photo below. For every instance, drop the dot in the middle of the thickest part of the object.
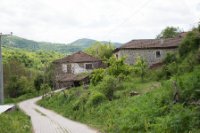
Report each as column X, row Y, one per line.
column 74, row 70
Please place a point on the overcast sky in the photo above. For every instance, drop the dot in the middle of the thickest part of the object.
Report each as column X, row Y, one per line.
column 110, row 20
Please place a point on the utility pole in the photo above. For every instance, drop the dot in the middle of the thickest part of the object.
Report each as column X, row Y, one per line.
column 1, row 71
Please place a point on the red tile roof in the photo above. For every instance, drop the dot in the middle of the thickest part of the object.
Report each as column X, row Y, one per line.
column 78, row 57
column 152, row 43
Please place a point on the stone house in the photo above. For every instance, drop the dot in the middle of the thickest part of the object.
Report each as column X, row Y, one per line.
column 152, row 50
column 74, row 69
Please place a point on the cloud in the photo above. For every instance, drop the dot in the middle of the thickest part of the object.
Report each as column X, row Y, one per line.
column 119, row 21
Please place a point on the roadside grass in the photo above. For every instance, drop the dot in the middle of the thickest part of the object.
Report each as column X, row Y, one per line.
column 15, row 122
column 151, row 111
column 21, row 98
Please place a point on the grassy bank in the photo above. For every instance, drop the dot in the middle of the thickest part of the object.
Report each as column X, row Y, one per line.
column 151, row 111
column 15, row 122
column 21, row 98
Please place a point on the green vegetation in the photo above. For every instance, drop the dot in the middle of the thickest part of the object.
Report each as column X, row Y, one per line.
column 140, row 67
column 28, row 65
column 45, row 89
column 118, row 101
column 169, row 32
column 24, row 71
column 15, row 122
column 101, row 50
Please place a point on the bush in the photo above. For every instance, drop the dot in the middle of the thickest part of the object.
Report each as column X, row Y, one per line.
column 179, row 120
column 45, row 88
column 108, row 86
column 170, row 57
column 17, row 86
column 39, row 80
column 190, row 43
column 96, row 98
column 189, row 85
column 141, row 67
column 81, row 101
column 117, row 67
column 97, row 76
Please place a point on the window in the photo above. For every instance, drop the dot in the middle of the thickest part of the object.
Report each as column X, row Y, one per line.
column 88, row 66
column 64, row 68
column 158, row 54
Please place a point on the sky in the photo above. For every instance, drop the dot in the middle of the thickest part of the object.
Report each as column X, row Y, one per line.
column 64, row 21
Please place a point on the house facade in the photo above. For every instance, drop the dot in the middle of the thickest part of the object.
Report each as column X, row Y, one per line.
column 74, row 69
column 152, row 50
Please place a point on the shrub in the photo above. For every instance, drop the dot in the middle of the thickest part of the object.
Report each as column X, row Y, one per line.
column 97, row 76
column 45, row 88
column 81, row 101
column 117, row 67
column 17, row 86
column 190, row 43
column 140, row 67
column 189, row 85
column 170, row 57
column 108, row 86
column 178, row 120
column 38, row 82
column 96, row 98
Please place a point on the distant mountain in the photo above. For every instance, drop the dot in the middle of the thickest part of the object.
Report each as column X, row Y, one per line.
column 78, row 45
column 84, row 42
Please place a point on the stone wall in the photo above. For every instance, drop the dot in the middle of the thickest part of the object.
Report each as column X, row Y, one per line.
column 148, row 54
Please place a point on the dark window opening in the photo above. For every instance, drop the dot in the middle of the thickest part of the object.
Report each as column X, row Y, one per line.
column 117, row 56
column 158, row 54
column 88, row 66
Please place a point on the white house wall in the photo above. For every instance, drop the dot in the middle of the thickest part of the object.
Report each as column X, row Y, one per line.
column 76, row 68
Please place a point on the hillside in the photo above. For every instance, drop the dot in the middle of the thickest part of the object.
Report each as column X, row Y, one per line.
column 132, row 99
column 22, row 43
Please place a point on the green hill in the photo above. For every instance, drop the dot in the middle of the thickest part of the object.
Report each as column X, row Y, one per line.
column 22, row 43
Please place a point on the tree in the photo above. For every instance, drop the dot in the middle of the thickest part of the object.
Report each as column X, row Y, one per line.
column 118, row 67
column 169, row 32
column 100, row 50
column 38, row 82
column 45, row 88
column 140, row 67
column 97, row 76
column 17, row 86
column 108, row 86
column 190, row 43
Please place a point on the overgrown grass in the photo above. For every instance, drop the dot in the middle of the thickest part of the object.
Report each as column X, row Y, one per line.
column 15, row 122
column 22, row 98
column 151, row 111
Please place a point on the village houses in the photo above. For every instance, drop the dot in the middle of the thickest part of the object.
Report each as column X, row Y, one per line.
column 74, row 70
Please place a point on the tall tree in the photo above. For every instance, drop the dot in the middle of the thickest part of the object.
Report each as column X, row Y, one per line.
column 169, row 32
column 100, row 50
